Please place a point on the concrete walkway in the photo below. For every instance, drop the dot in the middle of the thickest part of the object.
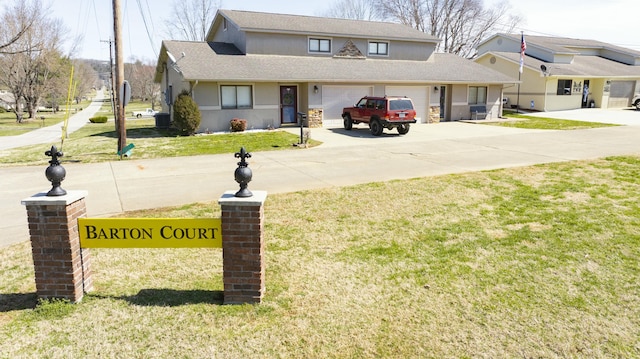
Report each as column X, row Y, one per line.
column 345, row 158
column 53, row 134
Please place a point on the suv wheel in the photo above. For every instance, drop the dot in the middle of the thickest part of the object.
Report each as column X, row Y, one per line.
column 376, row 127
column 637, row 104
column 403, row 129
column 348, row 124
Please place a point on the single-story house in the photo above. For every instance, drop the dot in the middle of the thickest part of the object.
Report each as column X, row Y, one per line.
column 6, row 100
column 266, row 68
column 562, row 73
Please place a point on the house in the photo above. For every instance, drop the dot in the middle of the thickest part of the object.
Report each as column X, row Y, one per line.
column 7, row 101
column 266, row 68
column 562, row 73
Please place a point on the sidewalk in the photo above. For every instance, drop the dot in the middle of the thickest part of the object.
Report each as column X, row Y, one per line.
column 345, row 158
column 52, row 134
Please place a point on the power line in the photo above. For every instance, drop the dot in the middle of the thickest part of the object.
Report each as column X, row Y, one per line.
column 146, row 26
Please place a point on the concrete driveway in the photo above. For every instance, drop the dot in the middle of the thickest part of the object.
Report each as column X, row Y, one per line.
column 345, row 158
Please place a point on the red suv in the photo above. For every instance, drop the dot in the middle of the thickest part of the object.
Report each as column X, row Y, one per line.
column 380, row 113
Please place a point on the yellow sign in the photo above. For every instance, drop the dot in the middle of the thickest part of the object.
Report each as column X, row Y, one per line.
column 150, row 232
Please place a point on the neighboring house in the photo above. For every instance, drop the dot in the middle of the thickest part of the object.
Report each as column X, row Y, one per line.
column 562, row 73
column 6, row 100
column 266, row 68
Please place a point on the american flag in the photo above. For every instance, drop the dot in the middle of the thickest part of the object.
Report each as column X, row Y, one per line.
column 523, row 47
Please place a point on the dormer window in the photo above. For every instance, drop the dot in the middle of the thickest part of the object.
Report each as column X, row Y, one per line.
column 379, row 48
column 319, row 45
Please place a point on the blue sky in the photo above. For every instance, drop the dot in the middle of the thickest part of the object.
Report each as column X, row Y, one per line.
column 609, row 21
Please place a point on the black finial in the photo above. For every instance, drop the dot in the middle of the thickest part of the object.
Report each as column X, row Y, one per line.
column 55, row 173
column 243, row 173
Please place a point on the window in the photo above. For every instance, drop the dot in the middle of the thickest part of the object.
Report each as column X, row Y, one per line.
column 319, row 45
column 477, row 95
column 224, row 24
column 378, row 48
column 236, row 97
column 564, row 87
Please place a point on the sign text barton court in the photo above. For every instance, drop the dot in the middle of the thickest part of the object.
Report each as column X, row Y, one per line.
column 150, row 232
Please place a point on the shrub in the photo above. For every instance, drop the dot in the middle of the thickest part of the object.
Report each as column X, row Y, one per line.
column 238, row 125
column 186, row 114
column 98, row 119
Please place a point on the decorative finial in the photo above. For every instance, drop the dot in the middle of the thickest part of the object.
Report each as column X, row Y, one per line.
column 243, row 173
column 55, row 173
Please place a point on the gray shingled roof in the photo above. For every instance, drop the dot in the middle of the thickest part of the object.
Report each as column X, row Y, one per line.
column 320, row 26
column 587, row 66
column 565, row 45
column 203, row 64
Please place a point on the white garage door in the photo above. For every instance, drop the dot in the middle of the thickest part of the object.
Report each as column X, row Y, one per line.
column 335, row 98
column 419, row 95
column 621, row 93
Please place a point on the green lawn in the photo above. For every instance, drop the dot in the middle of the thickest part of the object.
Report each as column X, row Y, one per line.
column 10, row 127
column 544, row 123
column 532, row 262
column 97, row 142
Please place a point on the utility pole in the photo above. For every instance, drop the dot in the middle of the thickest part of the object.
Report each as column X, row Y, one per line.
column 112, row 81
column 119, row 114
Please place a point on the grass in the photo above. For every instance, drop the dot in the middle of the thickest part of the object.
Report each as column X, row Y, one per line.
column 539, row 261
column 545, row 123
column 98, row 143
column 10, row 127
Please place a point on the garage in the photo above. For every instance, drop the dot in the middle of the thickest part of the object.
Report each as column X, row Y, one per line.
column 418, row 94
column 335, row 98
column 621, row 93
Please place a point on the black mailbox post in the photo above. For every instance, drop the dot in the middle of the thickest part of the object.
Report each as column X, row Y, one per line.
column 301, row 117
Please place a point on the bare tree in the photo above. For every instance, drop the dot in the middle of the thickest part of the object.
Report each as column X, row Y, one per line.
column 460, row 24
column 28, row 63
column 22, row 15
column 140, row 74
column 85, row 78
column 191, row 19
column 353, row 9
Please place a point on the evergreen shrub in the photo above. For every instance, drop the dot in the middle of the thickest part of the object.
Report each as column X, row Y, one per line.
column 98, row 119
column 186, row 114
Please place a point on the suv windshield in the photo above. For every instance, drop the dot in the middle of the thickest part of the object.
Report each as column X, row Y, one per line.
column 400, row 105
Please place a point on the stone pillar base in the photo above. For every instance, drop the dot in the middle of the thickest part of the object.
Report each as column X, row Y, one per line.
column 62, row 268
column 243, row 247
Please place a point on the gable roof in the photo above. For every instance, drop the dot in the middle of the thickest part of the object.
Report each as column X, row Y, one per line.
column 570, row 45
column 250, row 21
column 582, row 66
column 560, row 49
column 203, row 64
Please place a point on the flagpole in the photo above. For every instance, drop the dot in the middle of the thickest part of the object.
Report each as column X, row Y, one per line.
column 518, row 100
column 520, row 69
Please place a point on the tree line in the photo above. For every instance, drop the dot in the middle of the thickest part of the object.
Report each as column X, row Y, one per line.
column 35, row 69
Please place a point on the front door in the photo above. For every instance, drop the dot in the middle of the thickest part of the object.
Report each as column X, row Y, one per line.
column 585, row 94
column 288, row 104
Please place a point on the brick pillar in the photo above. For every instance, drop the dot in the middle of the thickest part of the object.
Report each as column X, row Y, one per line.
column 243, row 247
column 62, row 267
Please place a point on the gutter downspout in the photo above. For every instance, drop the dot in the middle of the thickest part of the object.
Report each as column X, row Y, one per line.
column 193, row 87
column 546, row 80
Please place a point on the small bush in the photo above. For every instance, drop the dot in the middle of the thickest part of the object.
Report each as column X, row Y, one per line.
column 98, row 119
column 186, row 114
column 238, row 125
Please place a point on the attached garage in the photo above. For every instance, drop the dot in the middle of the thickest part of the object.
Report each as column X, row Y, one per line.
column 335, row 98
column 418, row 94
column 621, row 93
